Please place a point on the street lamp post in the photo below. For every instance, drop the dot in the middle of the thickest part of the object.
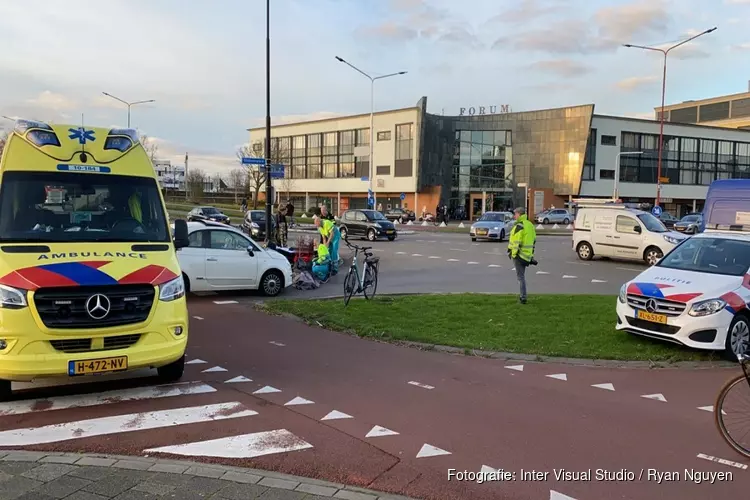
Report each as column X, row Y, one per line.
column 617, row 171
column 663, row 93
column 128, row 104
column 269, row 201
column 372, row 119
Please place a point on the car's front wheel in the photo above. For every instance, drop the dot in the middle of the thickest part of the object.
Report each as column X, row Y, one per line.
column 371, row 235
column 271, row 283
column 652, row 255
column 502, row 235
column 738, row 337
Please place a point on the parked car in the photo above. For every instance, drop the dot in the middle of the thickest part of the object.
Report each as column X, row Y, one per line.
column 668, row 220
column 493, row 226
column 400, row 215
column 221, row 257
column 369, row 224
column 689, row 224
column 207, row 213
column 254, row 224
column 554, row 216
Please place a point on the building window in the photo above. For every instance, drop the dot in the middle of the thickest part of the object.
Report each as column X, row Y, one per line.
column 363, row 137
column 383, row 169
column 589, row 160
column 404, row 146
column 609, row 140
column 384, row 136
column 606, row 174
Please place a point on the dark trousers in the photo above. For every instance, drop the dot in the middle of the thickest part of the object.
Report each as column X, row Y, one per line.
column 521, row 266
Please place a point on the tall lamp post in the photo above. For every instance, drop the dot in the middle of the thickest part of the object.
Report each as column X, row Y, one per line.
column 617, row 171
column 372, row 118
column 663, row 92
column 269, row 195
column 128, row 104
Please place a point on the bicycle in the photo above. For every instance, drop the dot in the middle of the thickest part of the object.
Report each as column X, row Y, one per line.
column 369, row 277
column 722, row 416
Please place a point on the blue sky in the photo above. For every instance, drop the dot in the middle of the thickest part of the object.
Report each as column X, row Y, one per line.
column 204, row 62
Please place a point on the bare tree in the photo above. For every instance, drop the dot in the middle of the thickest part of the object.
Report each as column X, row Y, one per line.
column 256, row 177
column 3, row 140
column 286, row 185
column 195, row 181
column 237, row 182
column 150, row 146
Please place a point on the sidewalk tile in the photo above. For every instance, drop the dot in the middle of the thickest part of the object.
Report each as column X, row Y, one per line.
column 242, row 492
column 241, row 477
column 154, row 488
column 275, row 494
column 47, row 472
column 354, row 495
column 23, row 456
column 63, row 486
column 111, row 486
column 132, row 465
column 96, row 461
column 60, row 459
column 85, row 495
column 170, row 479
column 171, row 468
column 209, row 472
column 285, row 484
column 17, row 486
column 323, row 491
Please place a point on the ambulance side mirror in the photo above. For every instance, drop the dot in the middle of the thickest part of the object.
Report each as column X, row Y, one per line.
column 181, row 239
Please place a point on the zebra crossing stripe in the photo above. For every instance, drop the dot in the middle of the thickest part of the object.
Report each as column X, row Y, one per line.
column 123, row 423
column 246, row 446
column 103, row 398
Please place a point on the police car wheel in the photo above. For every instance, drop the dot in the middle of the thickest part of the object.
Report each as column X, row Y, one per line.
column 738, row 337
column 5, row 390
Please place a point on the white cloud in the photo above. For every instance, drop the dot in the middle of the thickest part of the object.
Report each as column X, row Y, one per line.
column 635, row 82
column 53, row 101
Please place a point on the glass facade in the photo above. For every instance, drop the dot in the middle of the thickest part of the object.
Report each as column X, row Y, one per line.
column 685, row 160
column 482, row 162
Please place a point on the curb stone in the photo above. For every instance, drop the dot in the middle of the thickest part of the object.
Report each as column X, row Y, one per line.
column 236, row 477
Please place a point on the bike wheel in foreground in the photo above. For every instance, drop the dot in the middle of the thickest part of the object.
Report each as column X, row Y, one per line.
column 350, row 284
column 371, row 282
column 732, row 414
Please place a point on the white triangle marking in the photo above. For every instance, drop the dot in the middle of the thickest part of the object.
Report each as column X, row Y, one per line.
column 266, row 390
column 540, row 226
column 378, row 431
column 518, row 368
column 198, row 318
column 598, row 281
column 236, row 380
column 461, row 225
column 299, row 401
column 486, row 469
column 245, row 446
column 555, row 227
column 553, row 495
column 657, row 397
column 608, row 387
column 513, row 269
column 559, row 376
column 566, row 277
column 431, row 451
column 569, row 226
column 277, row 343
column 196, row 362
column 711, row 409
column 336, row 415
column 215, row 369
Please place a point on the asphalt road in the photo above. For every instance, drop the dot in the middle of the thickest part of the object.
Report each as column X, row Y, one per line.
column 272, row 393
column 449, row 263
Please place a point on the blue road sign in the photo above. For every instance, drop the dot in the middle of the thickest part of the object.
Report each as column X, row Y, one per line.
column 656, row 210
column 277, row 171
column 253, row 161
column 403, row 196
column 369, row 192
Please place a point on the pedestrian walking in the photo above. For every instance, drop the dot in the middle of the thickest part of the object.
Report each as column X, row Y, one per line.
column 290, row 212
column 521, row 248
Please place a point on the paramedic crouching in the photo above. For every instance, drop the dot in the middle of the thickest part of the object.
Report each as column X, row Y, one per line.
column 521, row 248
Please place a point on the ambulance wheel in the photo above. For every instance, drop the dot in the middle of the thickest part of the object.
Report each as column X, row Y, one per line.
column 738, row 337
column 5, row 391
column 172, row 371
column 584, row 251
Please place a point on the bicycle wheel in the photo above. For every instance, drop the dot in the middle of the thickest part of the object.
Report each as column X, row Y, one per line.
column 370, row 281
column 350, row 284
column 727, row 413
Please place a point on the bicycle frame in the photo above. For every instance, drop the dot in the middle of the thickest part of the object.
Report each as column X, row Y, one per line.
column 360, row 278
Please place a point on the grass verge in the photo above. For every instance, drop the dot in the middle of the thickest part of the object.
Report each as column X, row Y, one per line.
column 576, row 326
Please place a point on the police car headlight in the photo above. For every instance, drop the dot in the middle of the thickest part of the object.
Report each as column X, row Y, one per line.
column 12, row 298
column 172, row 290
column 671, row 239
column 623, row 297
column 707, row 307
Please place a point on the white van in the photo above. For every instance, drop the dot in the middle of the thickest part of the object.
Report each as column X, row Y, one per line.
column 619, row 232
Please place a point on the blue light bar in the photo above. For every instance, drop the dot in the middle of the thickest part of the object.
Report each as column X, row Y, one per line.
column 120, row 144
column 127, row 132
column 23, row 125
column 43, row 138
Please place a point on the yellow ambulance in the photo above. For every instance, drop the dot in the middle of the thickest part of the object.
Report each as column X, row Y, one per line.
column 89, row 278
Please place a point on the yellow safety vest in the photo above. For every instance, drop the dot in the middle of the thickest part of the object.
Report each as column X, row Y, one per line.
column 326, row 227
column 135, row 207
column 322, row 253
column 522, row 239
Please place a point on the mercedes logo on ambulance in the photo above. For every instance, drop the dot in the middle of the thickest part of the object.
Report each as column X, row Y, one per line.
column 650, row 306
column 98, row 306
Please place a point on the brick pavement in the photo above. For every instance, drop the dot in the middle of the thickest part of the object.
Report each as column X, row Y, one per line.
column 26, row 475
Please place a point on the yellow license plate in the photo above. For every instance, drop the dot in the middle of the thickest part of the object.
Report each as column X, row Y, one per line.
column 482, row 231
column 653, row 318
column 103, row 365
column 390, row 231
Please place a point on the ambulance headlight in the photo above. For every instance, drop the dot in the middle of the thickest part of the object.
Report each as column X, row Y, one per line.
column 172, row 290
column 623, row 296
column 707, row 307
column 12, row 298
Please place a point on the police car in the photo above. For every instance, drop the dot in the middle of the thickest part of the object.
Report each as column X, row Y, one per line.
column 697, row 295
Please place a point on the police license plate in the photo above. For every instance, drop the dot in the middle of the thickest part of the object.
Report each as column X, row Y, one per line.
column 482, row 231
column 653, row 318
column 102, row 365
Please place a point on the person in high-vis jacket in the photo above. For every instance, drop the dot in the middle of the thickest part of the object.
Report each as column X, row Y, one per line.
column 521, row 248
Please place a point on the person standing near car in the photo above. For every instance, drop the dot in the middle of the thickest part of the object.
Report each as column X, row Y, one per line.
column 290, row 212
column 521, row 248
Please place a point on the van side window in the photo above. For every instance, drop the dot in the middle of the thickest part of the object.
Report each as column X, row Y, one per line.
column 625, row 225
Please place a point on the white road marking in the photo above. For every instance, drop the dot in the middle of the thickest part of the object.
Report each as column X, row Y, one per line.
column 299, row 401
column 711, row 409
column 492, row 253
column 431, row 451
column 198, row 318
column 378, row 431
column 419, row 241
column 336, row 415
column 400, row 253
column 608, row 387
column 246, row 446
column 633, row 269
column 578, row 263
column 722, row 461
column 486, row 469
column 435, row 257
column 196, row 362
column 568, row 277
column 453, row 260
column 598, row 281
column 423, row 386
column 554, row 495
column 225, row 302
column 267, row 390
column 123, row 423
column 518, row 368
column 513, row 269
column 417, row 255
column 215, row 369
column 542, row 272
column 432, row 241
column 559, row 376
column 237, row 380
column 494, row 265
column 86, row 400
column 458, row 249
column 277, row 343
column 657, row 397
column 472, row 263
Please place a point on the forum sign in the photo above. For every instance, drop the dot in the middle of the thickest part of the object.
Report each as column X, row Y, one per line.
column 484, row 110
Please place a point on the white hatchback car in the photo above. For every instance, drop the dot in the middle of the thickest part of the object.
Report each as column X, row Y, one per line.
column 221, row 257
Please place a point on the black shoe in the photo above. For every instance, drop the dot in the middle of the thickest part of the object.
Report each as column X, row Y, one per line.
column 522, row 301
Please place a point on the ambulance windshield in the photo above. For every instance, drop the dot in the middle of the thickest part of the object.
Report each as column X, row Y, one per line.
column 78, row 207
